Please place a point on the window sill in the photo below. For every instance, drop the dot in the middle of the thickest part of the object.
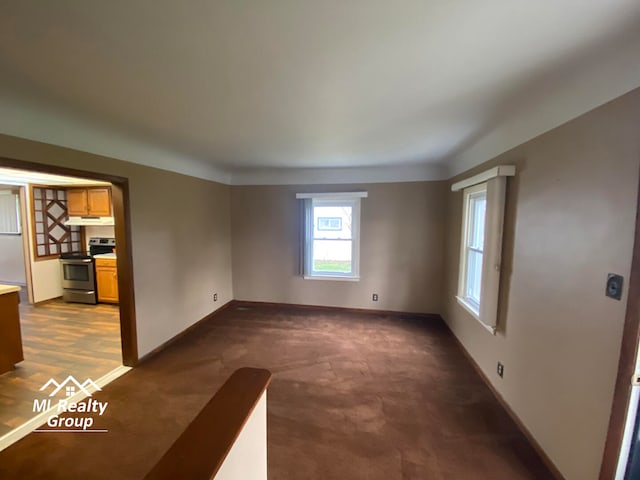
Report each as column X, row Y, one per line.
column 331, row 277
column 468, row 307
column 475, row 314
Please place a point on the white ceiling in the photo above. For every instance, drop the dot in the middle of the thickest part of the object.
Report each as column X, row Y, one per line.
column 253, row 92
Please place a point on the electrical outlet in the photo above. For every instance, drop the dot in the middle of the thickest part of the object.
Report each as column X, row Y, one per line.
column 614, row 286
column 500, row 369
column 375, row 297
column 215, row 297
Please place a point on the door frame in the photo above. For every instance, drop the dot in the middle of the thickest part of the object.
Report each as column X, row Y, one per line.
column 626, row 362
column 122, row 217
column 26, row 237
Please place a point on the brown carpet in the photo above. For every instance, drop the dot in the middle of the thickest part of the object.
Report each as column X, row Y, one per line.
column 353, row 396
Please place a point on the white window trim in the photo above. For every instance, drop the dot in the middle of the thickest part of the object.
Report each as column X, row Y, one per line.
column 499, row 171
column 340, row 198
column 332, row 277
column 494, row 180
column 337, row 195
column 462, row 277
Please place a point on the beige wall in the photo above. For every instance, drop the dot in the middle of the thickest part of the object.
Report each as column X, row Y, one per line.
column 11, row 259
column 180, row 229
column 401, row 251
column 570, row 220
column 46, row 277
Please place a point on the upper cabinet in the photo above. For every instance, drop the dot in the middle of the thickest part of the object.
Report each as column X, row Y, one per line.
column 93, row 202
column 77, row 202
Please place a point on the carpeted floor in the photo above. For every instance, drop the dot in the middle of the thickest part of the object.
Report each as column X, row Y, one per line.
column 353, row 396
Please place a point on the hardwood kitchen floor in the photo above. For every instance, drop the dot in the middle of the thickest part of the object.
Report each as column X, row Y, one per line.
column 59, row 339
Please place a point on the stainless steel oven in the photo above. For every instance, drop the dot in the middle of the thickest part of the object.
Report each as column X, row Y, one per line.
column 78, row 278
column 78, row 271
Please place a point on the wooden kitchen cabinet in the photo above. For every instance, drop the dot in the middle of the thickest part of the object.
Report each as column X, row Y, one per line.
column 107, row 280
column 92, row 202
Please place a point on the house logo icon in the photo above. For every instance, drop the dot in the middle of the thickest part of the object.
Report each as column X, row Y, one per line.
column 71, row 386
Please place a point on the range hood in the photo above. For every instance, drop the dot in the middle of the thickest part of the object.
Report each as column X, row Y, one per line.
column 90, row 221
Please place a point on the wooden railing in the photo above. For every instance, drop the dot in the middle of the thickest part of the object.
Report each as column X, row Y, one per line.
column 202, row 449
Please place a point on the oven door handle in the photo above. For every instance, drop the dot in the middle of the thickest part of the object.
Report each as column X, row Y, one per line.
column 88, row 260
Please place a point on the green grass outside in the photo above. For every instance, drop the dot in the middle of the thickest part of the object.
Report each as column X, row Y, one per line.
column 343, row 266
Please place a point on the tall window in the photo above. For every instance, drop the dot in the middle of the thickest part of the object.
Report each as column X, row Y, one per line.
column 481, row 243
column 331, row 235
column 475, row 207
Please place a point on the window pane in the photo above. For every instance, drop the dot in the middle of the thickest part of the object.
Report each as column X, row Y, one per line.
column 477, row 210
column 332, row 222
column 329, row 223
column 474, row 275
column 332, row 256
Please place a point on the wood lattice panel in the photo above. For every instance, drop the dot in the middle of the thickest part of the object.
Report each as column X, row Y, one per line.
column 51, row 236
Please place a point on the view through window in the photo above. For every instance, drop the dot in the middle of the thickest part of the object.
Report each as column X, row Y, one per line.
column 332, row 235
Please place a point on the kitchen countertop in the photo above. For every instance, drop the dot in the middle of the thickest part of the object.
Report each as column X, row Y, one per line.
column 9, row 289
column 105, row 255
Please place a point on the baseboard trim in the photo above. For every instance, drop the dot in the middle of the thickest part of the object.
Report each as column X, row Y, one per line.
column 525, row 431
column 48, row 300
column 247, row 303
column 184, row 332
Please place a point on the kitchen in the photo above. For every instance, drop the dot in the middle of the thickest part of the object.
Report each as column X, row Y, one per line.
column 58, row 258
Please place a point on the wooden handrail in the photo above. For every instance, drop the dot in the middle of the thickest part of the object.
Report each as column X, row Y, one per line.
column 200, row 451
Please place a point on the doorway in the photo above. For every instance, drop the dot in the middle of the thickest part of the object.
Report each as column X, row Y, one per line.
column 13, row 260
column 122, row 232
column 91, row 341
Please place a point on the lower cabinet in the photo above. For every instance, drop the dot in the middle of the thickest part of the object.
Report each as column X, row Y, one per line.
column 10, row 338
column 107, row 280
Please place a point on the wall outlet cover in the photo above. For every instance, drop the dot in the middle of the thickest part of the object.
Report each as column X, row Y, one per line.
column 614, row 286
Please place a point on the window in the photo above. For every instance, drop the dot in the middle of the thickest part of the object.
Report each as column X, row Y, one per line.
column 9, row 212
column 481, row 243
column 474, row 213
column 331, row 235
